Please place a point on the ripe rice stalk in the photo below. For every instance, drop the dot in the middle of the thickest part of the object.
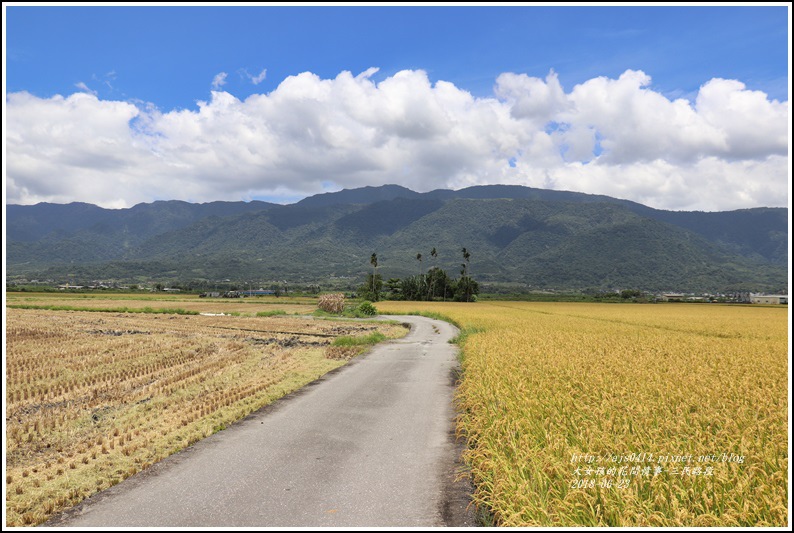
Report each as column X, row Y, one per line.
column 545, row 383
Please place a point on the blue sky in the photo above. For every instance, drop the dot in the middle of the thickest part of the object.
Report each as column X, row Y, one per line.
column 169, row 55
column 143, row 64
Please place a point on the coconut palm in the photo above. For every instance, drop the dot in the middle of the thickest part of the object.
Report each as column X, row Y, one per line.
column 434, row 255
column 466, row 256
column 373, row 260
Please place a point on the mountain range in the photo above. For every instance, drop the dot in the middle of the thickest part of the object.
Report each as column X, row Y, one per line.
column 517, row 236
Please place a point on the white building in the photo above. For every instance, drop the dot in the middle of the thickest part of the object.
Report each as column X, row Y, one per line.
column 774, row 299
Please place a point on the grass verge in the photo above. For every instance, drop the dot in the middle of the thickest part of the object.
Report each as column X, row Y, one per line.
column 367, row 340
column 275, row 312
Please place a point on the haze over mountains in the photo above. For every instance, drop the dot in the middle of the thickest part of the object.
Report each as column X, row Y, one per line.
column 535, row 237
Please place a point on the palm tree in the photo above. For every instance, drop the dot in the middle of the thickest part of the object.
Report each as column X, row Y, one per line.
column 434, row 255
column 373, row 260
column 466, row 256
column 419, row 258
column 465, row 273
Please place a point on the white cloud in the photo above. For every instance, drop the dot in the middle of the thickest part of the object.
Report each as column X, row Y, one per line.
column 531, row 98
column 85, row 88
column 741, row 114
column 259, row 78
column 219, row 80
column 255, row 79
column 619, row 137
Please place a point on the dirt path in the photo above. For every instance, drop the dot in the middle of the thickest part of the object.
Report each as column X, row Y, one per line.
column 371, row 444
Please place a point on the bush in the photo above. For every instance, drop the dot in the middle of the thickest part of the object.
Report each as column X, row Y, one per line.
column 367, row 309
column 332, row 303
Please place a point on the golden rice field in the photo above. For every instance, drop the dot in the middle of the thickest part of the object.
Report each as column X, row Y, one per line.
column 94, row 397
column 691, row 399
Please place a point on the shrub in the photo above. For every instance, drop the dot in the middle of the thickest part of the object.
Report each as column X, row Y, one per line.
column 332, row 303
column 367, row 309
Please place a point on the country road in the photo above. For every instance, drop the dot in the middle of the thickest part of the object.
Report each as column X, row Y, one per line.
column 371, row 444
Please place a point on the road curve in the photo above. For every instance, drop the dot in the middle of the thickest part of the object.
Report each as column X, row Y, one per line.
column 371, row 444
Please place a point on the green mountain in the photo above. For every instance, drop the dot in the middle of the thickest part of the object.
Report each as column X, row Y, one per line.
column 80, row 233
column 540, row 238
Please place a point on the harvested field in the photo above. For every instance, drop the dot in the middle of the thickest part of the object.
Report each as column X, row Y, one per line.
column 189, row 303
column 93, row 398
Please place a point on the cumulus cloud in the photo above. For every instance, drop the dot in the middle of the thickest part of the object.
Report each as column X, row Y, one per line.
column 532, row 98
column 727, row 149
column 219, row 80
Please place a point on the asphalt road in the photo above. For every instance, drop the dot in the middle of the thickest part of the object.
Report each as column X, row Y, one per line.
column 371, row 444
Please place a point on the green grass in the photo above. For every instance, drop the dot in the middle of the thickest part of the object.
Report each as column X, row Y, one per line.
column 460, row 338
column 349, row 312
column 372, row 338
column 274, row 312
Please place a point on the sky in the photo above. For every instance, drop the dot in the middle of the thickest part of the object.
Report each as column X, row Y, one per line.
column 675, row 107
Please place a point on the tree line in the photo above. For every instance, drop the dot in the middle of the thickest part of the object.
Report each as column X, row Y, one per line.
column 433, row 284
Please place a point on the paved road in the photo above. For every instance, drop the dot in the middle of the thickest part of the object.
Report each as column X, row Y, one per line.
column 369, row 445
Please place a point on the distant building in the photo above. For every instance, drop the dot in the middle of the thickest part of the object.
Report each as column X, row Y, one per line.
column 673, row 297
column 742, row 297
column 258, row 292
column 773, row 299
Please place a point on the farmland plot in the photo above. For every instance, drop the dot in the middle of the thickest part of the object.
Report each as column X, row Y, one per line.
column 624, row 415
column 93, row 398
column 155, row 301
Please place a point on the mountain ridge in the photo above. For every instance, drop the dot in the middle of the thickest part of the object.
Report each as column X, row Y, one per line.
column 542, row 238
